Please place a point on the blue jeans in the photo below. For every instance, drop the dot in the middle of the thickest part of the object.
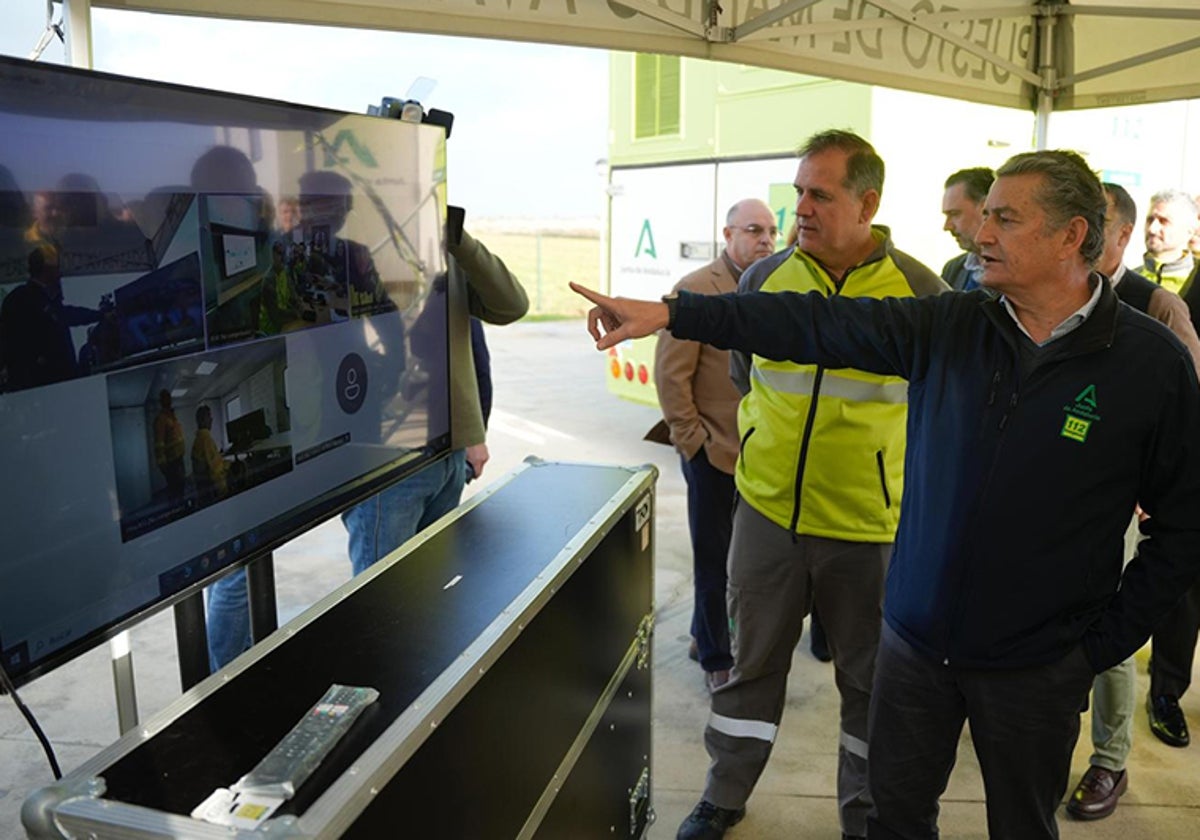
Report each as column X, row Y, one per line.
column 382, row 523
column 227, row 620
column 377, row 527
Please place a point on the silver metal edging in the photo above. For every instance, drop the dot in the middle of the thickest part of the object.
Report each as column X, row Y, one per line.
column 121, row 821
column 192, row 697
column 341, row 803
column 581, row 741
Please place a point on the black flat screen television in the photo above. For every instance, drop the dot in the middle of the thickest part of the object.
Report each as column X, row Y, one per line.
column 155, row 303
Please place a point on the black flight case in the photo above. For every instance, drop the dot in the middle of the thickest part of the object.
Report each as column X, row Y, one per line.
column 510, row 645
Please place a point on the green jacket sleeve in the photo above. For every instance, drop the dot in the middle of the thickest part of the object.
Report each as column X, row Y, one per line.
column 494, row 295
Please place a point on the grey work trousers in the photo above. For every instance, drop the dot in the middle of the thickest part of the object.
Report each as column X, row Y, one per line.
column 775, row 577
column 1114, row 697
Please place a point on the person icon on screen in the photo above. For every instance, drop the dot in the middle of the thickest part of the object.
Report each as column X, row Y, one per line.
column 169, row 447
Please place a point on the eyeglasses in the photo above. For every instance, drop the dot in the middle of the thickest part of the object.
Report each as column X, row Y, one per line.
column 758, row 230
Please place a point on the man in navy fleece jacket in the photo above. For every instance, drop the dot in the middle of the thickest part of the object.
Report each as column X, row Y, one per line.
column 1032, row 433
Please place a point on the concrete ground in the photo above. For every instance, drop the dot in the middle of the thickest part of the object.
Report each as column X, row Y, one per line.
column 551, row 402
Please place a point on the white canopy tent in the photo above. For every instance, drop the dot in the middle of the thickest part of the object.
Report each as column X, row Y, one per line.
column 1044, row 55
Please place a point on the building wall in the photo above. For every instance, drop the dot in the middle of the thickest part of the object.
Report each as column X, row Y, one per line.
column 733, row 111
column 729, row 110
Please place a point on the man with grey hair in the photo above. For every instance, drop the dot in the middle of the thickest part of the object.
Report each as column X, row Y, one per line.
column 1113, row 691
column 1170, row 224
column 1023, row 403
column 818, row 477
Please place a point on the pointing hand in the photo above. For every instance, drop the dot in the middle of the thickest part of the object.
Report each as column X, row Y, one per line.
column 612, row 320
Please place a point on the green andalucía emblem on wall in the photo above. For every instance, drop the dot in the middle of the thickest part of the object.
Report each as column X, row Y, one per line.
column 1081, row 414
column 645, row 243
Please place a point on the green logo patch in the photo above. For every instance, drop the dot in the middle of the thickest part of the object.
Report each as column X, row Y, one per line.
column 1081, row 414
column 1075, row 428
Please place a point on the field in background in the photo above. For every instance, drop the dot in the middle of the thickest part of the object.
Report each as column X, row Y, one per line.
column 544, row 257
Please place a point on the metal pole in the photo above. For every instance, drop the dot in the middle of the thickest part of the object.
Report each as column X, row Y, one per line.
column 539, row 272
column 1048, row 76
column 260, row 589
column 77, row 21
column 123, row 682
column 191, row 640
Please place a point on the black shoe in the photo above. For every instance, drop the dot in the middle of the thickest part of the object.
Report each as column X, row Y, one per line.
column 708, row 822
column 1167, row 720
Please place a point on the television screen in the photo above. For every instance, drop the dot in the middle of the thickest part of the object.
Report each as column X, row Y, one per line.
column 171, row 338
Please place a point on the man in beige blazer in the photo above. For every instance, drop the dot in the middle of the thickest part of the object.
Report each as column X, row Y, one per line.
column 699, row 404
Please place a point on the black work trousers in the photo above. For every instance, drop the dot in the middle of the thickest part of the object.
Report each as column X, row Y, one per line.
column 710, row 522
column 1174, row 647
column 1024, row 724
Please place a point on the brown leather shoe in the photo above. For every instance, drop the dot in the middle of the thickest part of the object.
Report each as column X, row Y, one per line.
column 1097, row 794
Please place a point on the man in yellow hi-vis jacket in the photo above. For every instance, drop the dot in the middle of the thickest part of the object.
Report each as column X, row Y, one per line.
column 819, row 478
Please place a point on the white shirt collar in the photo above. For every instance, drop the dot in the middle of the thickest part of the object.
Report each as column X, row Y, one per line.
column 1071, row 322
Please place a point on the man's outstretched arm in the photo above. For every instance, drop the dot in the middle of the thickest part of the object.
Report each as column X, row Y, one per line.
column 613, row 320
column 888, row 336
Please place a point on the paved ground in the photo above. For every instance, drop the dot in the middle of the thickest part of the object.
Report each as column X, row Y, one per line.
column 551, row 402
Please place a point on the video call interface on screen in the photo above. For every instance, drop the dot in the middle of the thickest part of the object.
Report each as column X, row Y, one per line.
column 221, row 320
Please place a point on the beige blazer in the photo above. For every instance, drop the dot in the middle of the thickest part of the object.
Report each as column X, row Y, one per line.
column 699, row 402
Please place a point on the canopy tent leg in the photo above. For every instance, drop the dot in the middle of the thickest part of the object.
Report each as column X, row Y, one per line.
column 77, row 19
column 1048, row 80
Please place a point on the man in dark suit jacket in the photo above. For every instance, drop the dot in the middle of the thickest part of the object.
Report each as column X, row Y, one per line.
column 699, row 404
column 962, row 205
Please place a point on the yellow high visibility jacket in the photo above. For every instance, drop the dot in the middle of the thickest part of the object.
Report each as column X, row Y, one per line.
column 1171, row 276
column 822, row 450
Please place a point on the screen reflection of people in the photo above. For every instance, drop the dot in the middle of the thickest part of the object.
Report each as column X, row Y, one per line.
column 96, row 235
column 208, row 467
column 46, row 225
column 287, row 216
column 329, row 268
column 35, row 326
column 169, row 447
